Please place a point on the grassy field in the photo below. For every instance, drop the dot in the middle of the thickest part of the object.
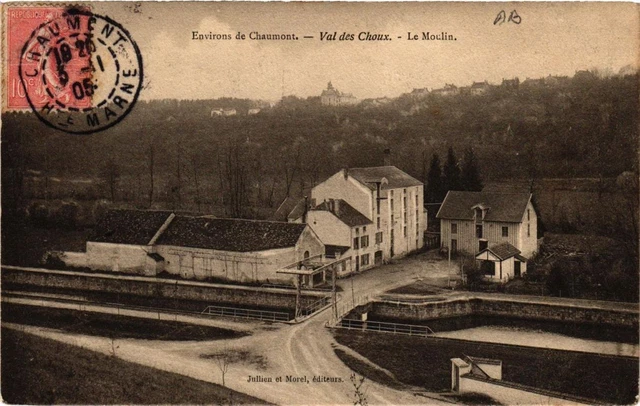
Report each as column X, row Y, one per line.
column 108, row 325
column 36, row 370
column 426, row 362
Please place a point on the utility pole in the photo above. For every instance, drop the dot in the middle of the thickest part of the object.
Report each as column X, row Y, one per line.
column 298, row 297
column 334, row 296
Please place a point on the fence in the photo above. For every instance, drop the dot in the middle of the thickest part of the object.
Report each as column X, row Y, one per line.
column 263, row 315
column 385, row 327
column 314, row 307
column 432, row 240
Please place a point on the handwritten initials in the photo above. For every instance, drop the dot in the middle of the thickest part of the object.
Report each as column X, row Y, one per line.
column 501, row 18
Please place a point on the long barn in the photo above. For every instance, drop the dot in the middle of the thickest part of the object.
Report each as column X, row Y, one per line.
column 196, row 247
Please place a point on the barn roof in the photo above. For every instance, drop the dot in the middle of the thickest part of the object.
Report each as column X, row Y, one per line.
column 394, row 176
column 505, row 207
column 230, row 234
column 136, row 227
column 344, row 212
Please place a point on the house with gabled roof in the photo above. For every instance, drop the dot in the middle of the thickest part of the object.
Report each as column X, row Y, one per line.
column 496, row 227
column 389, row 198
column 348, row 232
column 195, row 246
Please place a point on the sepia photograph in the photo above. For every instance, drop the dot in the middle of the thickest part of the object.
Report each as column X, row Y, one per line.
column 320, row 203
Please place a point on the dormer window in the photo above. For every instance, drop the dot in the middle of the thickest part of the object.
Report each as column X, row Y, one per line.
column 479, row 211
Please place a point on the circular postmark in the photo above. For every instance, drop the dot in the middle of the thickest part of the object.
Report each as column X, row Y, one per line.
column 87, row 70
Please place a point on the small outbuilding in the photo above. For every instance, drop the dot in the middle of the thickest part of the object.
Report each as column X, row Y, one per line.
column 502, row 262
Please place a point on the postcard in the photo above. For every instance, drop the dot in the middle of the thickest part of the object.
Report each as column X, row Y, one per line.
column 322, row 203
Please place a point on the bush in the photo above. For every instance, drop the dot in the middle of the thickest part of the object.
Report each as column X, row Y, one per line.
column 38, row 215
column 66, row 216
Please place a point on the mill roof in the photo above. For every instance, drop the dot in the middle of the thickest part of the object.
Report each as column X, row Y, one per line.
column 504, row 207
column 230, row 234
column 136, row 227
column 286, row 207
column 297, row 211
column 395, row 177
column 344, row 212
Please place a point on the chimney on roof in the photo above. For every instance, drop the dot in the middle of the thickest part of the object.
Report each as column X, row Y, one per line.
column 387, row 157
column 345, row 173
column 304, row 212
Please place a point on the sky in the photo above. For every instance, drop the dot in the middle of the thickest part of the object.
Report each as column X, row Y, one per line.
column 552, row 38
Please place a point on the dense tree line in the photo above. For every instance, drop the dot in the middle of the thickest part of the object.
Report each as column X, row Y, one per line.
column 454, row 175
column 174, row 153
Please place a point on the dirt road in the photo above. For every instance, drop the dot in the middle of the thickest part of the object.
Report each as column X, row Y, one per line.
column 272, row 353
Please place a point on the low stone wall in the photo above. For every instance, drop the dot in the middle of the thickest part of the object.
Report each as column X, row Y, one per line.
column 408, row 312
column 507, row 393
column 156, row 287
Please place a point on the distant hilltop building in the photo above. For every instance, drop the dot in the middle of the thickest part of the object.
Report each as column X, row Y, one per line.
column 223, row 112
column 333, row 97
column 447, row 90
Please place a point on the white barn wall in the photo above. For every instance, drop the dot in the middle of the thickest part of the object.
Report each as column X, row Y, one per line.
column 116, row 257
column 194, row 263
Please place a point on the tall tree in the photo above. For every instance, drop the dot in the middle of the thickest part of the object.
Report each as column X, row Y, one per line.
column 110, row 174
column 451, row 171
column 470, row 177
column 434, row 192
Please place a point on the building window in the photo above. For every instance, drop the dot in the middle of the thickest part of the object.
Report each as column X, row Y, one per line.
column 528, row 215
column 404, row 202
column 405, row 217
column 356, row 243
column 364, row 241
column 417, row 200
column 392, row 222
column 405, row 231
column 478, row 214
column 365, row 259
column 417, row 228
column 488, row 267
column 378, row 222
column 357, row 231
column 479, row 230
column 364, row 229
column 505, row 231
column 454, row 228
column 528, row 230
column 404, row 191
column 391, row 204
column 379, row 238
column 378, row 207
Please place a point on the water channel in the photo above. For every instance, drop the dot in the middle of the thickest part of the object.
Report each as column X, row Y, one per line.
column 592, row 338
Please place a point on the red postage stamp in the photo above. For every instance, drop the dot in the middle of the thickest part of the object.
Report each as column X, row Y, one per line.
column 78, row 71
column 21, row 22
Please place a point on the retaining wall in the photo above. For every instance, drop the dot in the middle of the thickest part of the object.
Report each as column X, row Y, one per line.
column 511, row 308
column 155, row 287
